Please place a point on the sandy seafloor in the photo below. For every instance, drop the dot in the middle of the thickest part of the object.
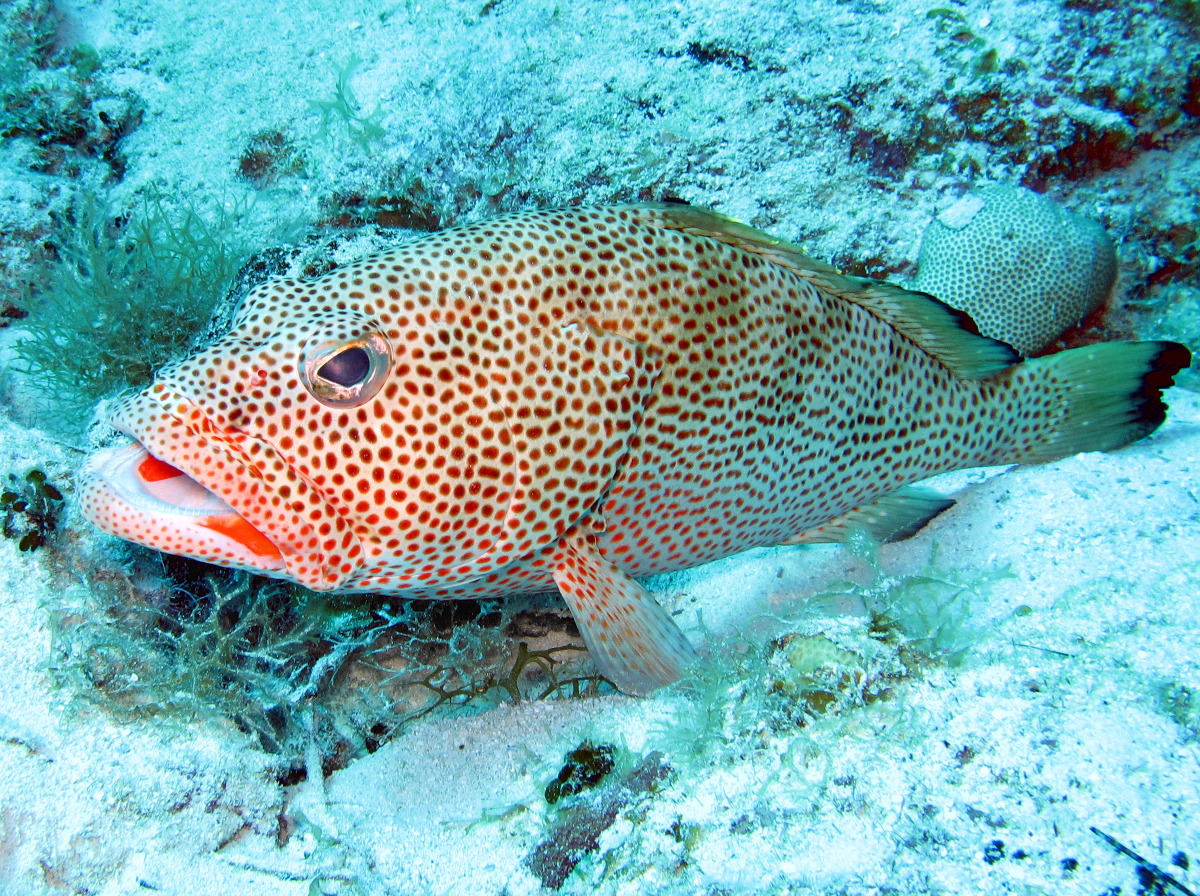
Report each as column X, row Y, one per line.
column 1066, row 691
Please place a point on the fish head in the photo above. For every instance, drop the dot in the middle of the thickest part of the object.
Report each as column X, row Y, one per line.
column 219, row 464
column 355, row 433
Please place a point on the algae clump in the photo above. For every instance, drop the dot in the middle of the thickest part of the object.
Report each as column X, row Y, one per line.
column 29, row 509
column 126, row 293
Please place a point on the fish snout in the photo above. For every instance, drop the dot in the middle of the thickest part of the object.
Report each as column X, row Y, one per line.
column 186, row 483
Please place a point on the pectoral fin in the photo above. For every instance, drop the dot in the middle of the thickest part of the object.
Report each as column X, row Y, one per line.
column 891, row 518
column 632, row 640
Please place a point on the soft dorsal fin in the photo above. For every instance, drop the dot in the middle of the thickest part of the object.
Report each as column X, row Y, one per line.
column 945, row 333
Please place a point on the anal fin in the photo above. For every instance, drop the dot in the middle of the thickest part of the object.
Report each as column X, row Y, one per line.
column 634, row 643
column 891, row 518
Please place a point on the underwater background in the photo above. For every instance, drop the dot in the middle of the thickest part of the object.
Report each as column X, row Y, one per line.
column 959, row 712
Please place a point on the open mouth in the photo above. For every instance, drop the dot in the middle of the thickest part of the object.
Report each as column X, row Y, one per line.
column 132, row 494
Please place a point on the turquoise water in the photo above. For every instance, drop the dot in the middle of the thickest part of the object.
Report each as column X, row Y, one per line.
column 949, row 714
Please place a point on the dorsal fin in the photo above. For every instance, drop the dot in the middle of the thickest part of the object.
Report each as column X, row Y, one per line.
column 705, row 222
column 943, row 332
column 946, row 333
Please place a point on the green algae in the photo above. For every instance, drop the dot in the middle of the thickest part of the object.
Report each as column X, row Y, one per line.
column 183, row 642
column 343, row 111
column 30, row 507
column 126, row 292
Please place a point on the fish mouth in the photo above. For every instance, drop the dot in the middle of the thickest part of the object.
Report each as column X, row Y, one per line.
column 131, row 493
column 186, row 480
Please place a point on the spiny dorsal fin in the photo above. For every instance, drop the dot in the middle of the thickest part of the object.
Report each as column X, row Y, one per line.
column 945, row 333
column 705, row 222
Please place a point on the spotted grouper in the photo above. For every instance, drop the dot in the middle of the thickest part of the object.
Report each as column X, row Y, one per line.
column 572, row 399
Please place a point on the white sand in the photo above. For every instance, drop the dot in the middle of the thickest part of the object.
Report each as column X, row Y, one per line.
column 1075, row 698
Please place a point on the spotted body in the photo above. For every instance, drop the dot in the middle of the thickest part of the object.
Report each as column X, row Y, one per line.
column 572, row 399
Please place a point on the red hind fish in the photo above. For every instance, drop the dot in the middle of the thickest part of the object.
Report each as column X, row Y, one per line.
column 571, row 399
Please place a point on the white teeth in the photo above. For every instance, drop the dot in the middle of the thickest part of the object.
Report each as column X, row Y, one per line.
column 175, row 495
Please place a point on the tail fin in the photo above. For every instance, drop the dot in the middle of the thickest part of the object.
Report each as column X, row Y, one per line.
column 1108, row 395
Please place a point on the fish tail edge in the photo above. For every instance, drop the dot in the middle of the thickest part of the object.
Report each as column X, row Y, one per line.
column 1109, row 395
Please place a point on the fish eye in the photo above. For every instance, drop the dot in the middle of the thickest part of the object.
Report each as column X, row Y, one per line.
column 349, row 367
column 345, row 373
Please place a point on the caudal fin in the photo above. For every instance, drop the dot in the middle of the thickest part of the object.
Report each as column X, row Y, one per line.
column 1105, row 396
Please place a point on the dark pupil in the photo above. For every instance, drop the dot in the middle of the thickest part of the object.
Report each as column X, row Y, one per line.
column 347, row 368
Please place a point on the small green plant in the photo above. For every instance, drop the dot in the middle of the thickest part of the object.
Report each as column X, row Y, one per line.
column 30, row 507
column 127, row 293
column 1181, row 704
column 823, row 668
column 929, row 613
column 344, row 110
